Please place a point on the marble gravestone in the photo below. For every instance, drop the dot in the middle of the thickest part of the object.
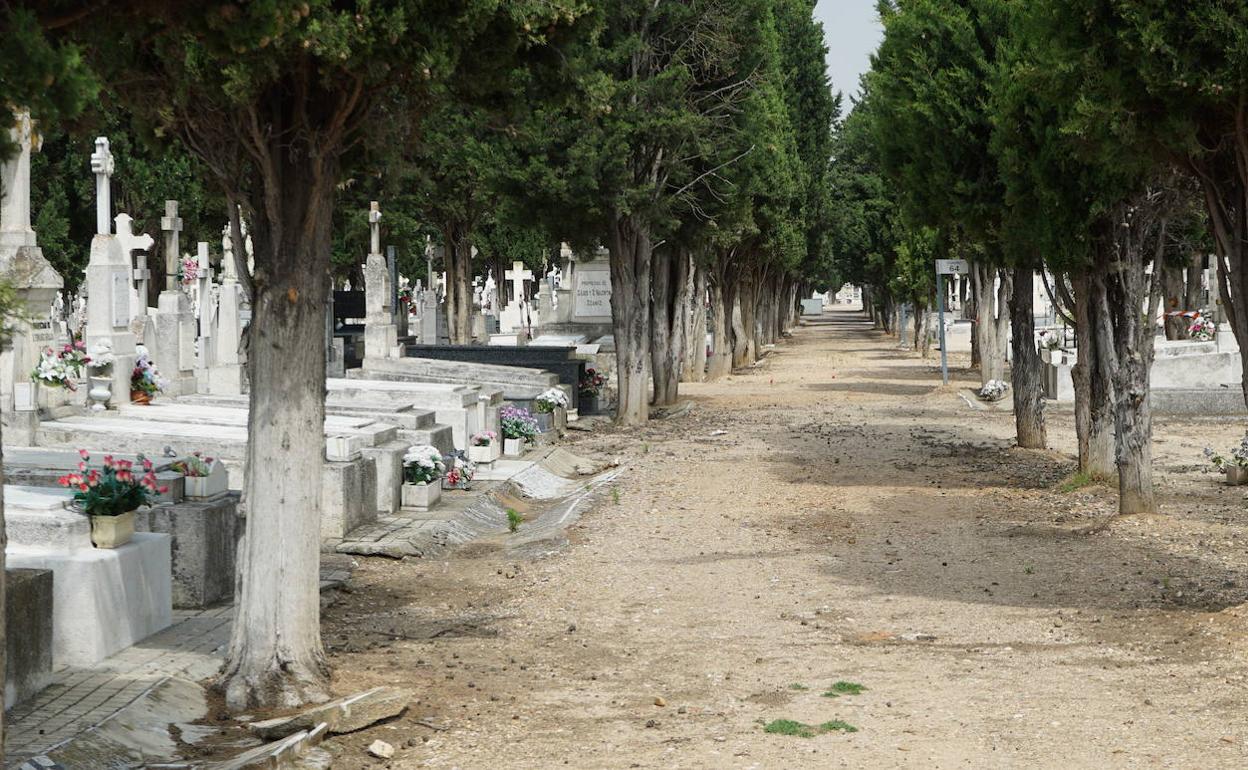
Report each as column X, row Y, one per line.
column 381, row 334
column 37, row 284
column 109, row 274
column 172, row 330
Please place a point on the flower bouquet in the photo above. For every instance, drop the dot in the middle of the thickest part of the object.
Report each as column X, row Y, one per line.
column 590, row 391
column 548, row 406
column 519, row 428
column 145, row 380
column 52, row 371
column 204, row 476
column 422, row 474
column 484, row 447
column 1234, row 465
column 459, row 475
column 110, row 495
column 1202, row 329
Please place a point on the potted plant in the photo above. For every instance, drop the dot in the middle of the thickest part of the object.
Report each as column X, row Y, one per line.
column 483, row 447
column 110, row 496
column 422, row 475
column 53, row 380
column 205, row 476
column 1202, row 329
column 145, row 380
column 590, row 391
column 1235, row 466
column 551, row 409
column 459, row 475
column 519, row 428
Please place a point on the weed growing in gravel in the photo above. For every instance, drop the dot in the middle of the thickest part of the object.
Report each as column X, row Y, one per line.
column 615, row 495
column 514, row 520
column 844, row 688
column 798, row 687
column 1075, row 482
column 803, row 730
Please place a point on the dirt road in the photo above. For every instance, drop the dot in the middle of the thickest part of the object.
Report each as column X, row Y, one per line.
column 856, row 523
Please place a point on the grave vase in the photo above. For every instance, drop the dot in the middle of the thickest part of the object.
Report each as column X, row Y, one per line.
column 50, row 397
column 513, row 447
column 483, row 454
column 1236, row 475
column 545, row 421
column 100, row 393
column 206, row 486
column 112, row 531
column 589, row 404
column 421, row 497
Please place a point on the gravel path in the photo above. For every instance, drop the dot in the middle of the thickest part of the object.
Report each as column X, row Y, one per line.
column 856, row 523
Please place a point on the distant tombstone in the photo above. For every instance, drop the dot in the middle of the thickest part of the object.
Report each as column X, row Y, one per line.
column 591, row 301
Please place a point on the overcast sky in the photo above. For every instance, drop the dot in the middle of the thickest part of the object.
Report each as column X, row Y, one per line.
column 853, row 32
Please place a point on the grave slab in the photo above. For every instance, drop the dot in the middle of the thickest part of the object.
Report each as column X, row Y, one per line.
column 104, row 600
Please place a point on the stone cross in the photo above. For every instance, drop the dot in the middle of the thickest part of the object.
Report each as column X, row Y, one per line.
column 102, row 165
column 130, row 243
column 15, row 229
column 374, row 227
column 205, row 307
column 517, row 275
column 171, row 224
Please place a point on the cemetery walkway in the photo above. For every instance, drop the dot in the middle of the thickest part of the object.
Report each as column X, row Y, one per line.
column 831, row 515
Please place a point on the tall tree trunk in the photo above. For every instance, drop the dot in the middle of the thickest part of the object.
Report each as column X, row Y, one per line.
column 275, row 658
column 1027, row 371
column 695, row 326
column 1127, row 339
column 744, row 350
column 667, row 302
column 723, row 297
column 1093, row 392
column 4, row 609
column 631, row 250
column 988, row 326
column 458, row 265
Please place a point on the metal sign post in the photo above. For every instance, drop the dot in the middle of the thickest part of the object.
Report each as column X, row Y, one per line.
column 946, row 267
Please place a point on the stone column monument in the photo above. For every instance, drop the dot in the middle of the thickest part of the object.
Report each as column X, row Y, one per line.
column 381, row 335
column 23, row 265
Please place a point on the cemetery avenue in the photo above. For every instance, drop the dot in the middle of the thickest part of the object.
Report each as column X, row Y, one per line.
column 832, row 515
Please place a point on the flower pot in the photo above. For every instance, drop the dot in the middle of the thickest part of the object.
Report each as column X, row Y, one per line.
column 101, row 391
column 545, row 421
column 421, row 497
column 513, row 447
column 139, row 397
column 482, row 454
column 589, row 404
column 1236, row 475
column 50, row 397
column 207, row 486
column 112, row 531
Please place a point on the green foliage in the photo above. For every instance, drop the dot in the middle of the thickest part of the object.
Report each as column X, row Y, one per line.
column 803, row 730
column 844, row 688
column 514, row 520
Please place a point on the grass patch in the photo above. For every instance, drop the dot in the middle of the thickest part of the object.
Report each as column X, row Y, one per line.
column 514, row 520
column 615, row 495
column 844, row 688
column 803, row 730
column 1075, row 482
column 798, row 687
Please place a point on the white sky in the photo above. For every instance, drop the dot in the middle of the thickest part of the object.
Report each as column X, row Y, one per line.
column 853, row 33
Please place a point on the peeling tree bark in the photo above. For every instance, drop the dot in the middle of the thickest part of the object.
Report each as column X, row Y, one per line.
column 1027, row 369
column 695, row 326
column 631, row 251
column 1093, row 391
column 458, row 263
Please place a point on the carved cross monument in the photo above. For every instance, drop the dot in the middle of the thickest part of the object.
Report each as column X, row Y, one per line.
column 381, row 335
column 171, row 224
column 102, row 165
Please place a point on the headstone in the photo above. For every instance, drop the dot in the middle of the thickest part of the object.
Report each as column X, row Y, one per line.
column 135, row 247
column 380, row 332
column 172, row 338
column 225, row 374
column 37, row 283
column 514, row 316
column 591, row 302
column 109, row 273
column 205, row 311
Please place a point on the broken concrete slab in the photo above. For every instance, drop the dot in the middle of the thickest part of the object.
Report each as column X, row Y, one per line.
column 345, row 715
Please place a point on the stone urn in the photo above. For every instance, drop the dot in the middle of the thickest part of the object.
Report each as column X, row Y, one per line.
column 112, row 531
column 421, row 497
column 483, row 455
column 101, row 391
